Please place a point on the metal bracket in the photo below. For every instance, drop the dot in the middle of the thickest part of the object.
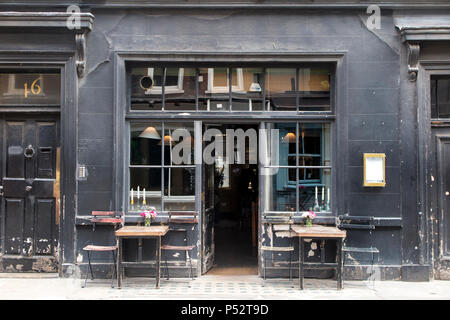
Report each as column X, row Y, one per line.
column 80, row 42
column 413, row 60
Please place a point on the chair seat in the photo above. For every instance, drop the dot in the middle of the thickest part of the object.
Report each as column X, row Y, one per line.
column 99, row 248
column 363, row 250
column 175, row 248
column 277, row 248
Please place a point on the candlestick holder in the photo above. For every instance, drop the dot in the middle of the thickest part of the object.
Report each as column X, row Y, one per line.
column 316, row 206
column 322, row 206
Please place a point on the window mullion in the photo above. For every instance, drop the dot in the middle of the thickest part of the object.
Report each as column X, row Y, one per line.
column 297, row 193
column 162, row 168
column 230, row 88
column 163, row 89
column 297, row 88
column 197, row 72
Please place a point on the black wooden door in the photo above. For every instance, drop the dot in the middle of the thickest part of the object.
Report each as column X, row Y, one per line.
column 29, row 211
column 442, row 196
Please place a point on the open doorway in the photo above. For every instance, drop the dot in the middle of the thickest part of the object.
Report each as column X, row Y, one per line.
column 235, row 205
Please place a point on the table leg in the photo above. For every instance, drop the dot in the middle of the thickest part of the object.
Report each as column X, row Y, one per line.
column 158, row 260
column 340, row 267
column 300, row 262
column 119, row 264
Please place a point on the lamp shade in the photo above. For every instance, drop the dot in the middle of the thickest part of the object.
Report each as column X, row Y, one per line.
column 168, row 140
column 150, row 133
column 289, row 138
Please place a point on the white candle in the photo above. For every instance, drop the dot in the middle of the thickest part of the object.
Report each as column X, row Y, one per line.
column 143, row 196
column 138, row 193
column 316, row 193
column 323, row 193
column 132, row 196
column 328, row 195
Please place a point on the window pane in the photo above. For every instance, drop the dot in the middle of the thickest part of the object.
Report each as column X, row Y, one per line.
column 314, row 144
column 440, row 97
column 308, row 188
column 286, row 148
column 247, row 91
column 280, row 190
column 180, row 89
column 434, row 109
column 281, row 89
column 179, row 189
column 148, row 180
column 178, row 143
column 146, row 88
column 214, row 89
column 314, row 92
column 145, row 144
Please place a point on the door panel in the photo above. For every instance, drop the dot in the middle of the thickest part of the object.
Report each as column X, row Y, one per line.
column 444, row 176
column 28, row 203
column 441, row 197
column 14, row 209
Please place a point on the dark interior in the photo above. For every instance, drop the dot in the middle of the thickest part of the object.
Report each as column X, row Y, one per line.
column 235, row 205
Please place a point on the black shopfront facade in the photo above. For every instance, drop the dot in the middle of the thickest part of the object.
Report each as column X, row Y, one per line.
column 112, row 94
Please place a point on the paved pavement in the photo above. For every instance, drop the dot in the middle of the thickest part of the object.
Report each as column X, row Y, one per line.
column 36, row 286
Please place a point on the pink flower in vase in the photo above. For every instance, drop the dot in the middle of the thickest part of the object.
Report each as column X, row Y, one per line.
column 148, row 215
column 310, row 215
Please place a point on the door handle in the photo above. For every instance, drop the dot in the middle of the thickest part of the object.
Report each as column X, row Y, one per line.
column 28, row 188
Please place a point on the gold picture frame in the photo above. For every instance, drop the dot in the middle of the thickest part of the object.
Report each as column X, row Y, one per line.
column 376, row 163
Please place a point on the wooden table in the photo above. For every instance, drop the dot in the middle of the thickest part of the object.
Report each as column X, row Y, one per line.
column 139, row 232
column 322, row 233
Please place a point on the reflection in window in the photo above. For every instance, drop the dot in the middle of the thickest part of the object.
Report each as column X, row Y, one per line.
column 162, row 171
column 249, row 96
column 214, row 92
column 314, row 91
column 146, row 88
column 440, row 97
column 180, row 89
column 252, row 88
column 281, row 89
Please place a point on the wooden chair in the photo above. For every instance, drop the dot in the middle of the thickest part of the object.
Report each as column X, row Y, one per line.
column 177, row 218
column 278, row 219
column 104, row 218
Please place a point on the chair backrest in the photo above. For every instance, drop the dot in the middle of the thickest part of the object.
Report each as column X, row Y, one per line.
column 107, row 217
column 278, row 217
column 348, row 222
column 356, row 222
column 183, row 217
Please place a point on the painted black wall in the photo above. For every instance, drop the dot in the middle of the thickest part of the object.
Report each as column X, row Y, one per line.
column 375, row 113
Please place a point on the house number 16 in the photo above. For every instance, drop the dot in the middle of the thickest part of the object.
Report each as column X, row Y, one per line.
column 35, row 88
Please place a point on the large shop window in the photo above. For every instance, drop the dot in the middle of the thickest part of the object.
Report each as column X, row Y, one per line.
column 161, row 175
column 440, row 97
column 298, row 89
column 300, row 178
